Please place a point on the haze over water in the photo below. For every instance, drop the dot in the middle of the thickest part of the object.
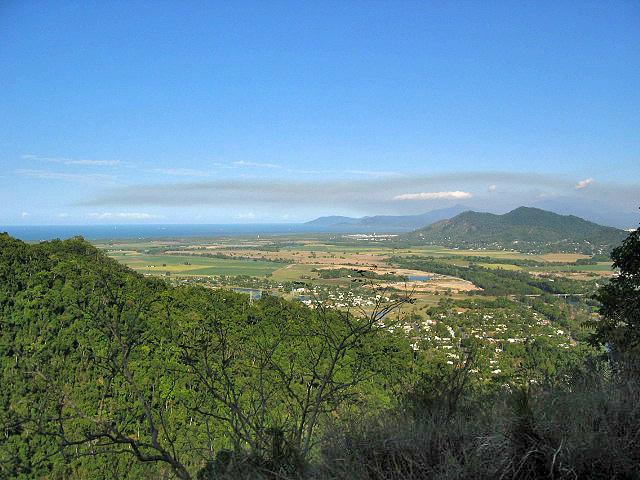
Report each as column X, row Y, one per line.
column 102, row 232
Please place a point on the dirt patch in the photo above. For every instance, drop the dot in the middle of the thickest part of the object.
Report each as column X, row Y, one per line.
column 562, row 257
column 438, row 284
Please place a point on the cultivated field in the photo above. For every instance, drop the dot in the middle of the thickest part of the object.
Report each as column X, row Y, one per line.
column 291, row 266
column 193, row 265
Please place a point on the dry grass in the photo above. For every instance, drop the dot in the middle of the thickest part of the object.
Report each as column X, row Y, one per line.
column 562, row 257
column 589, row 431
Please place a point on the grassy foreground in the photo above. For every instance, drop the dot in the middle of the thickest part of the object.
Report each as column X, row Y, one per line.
column 587, row 426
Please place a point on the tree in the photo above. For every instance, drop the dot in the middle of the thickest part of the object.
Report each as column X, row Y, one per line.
column 272, row 378
column 619, row 326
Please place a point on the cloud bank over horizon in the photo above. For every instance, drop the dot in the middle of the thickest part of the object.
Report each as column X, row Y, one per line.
column 455, row 195
column 487, row 191
column 243, row 191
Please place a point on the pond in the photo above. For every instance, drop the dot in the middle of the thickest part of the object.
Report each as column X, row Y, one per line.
column 418, row 278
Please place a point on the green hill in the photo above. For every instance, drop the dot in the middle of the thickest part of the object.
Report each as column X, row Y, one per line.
column 113, row 375
column 524, row 229
column 110, row 374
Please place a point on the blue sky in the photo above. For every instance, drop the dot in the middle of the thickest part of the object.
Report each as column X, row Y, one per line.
column 189, row 112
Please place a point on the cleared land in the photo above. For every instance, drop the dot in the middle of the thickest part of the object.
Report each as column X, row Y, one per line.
column 289, row 265
column 192, row 265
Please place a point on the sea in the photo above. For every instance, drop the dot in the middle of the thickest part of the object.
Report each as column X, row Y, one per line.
column 35, row 233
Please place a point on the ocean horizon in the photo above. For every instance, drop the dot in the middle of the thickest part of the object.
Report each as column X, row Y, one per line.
column 34, row 233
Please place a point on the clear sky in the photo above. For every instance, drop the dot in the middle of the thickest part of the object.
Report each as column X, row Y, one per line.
column 222, row 112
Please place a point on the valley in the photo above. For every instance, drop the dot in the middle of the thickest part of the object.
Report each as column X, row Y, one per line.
column 496, row 299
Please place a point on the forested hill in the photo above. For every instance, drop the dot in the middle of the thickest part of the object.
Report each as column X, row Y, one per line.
column 524, row 229
column 109, row 374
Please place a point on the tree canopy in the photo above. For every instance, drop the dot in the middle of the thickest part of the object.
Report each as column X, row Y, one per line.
column 619, row 326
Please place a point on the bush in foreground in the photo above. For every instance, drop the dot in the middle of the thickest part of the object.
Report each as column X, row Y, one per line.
column 589, row 428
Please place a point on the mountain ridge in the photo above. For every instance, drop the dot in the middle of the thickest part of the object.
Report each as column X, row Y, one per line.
column 526, row 229
column 396, row 221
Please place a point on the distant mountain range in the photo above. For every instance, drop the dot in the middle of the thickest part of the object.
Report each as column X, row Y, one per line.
column 390, row 221
column 524, row 229
column 594, row 211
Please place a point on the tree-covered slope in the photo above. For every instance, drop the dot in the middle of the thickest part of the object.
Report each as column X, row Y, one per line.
column 109, row 374
column 524, row 229
column 112, row 375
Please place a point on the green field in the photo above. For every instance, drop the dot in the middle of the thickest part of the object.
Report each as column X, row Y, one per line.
column 436, row 251
column 504, row 266
column 294, row 272
column 144, row 257
column 598, row 267
column 194, row 265
column 337, row 249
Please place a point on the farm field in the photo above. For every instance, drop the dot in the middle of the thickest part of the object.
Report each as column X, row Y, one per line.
column 356, row 275
column 295, row 257
column 504, row 266
column 300, row 266
column 192, row 265
column 500, row 298
column 598, row 267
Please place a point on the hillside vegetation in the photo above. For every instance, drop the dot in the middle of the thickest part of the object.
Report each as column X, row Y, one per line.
column 524, row 229
column 97, row 360
column 112, row 375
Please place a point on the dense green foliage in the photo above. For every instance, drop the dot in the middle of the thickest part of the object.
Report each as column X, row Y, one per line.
column 526, row 262
column 99, row 360
column 620, row 300
column 523, row 229
column 108, row 374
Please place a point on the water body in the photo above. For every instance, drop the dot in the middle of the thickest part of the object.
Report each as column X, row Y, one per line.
column 418, row 278
column 33, row 233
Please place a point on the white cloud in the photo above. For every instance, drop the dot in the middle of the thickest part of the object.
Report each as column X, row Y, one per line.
column 71, row 161
column 242, row 163
column 367, row 195
column 182, row 172
column 456, row 195
column 547, row 195
column 91, row 162
column 66, row 177
column 42, row 159
column 374, row 173
column 246, row 216
column 584, row 183
column 122, row 216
